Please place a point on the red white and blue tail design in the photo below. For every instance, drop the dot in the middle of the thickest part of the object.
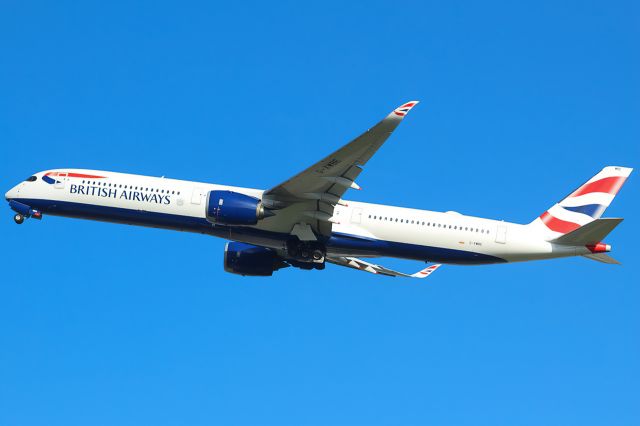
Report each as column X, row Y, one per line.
column 584, row 205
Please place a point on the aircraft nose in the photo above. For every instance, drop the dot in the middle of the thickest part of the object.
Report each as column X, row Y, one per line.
column 11, row 194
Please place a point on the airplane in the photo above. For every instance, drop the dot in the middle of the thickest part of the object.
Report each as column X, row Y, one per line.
column 304, row 222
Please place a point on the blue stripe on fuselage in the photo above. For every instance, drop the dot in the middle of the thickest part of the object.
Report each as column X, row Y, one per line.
column 358, row 246
column 337, row 243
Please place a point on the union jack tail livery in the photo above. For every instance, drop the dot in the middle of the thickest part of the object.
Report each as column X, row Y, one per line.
column 582, row 206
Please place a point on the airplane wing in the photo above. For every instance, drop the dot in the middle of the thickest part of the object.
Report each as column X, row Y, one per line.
column 355, row 263
column 309, row 197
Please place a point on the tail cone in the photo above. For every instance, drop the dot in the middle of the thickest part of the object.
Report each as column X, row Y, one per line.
column 599, row 248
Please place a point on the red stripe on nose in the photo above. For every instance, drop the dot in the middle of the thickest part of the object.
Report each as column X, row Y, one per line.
column 80, row 175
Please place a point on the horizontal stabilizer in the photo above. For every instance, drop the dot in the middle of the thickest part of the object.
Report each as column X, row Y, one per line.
column 602, row 257
column 591, row 233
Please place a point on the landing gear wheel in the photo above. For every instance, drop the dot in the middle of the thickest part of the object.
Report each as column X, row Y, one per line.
column 318, row 256
column 18, row 218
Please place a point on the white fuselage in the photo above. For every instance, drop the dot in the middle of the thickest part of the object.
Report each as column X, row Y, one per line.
column 363, row 229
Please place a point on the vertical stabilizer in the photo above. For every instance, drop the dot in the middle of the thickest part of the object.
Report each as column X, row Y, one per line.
column 582, row 206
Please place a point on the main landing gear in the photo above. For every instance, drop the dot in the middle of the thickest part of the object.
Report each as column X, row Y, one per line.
column 18, row 218
column 306, row 252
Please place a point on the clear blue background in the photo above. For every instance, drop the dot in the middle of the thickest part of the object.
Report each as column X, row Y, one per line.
column 103, row 324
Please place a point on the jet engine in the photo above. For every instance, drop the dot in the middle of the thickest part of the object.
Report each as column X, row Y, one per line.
column 233, row 208
column 247, row 259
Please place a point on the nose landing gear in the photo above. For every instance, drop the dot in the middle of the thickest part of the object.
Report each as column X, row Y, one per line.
column 18, row 218
column 23, row 212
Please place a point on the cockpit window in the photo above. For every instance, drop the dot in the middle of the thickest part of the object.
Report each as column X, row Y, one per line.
column 31, row 179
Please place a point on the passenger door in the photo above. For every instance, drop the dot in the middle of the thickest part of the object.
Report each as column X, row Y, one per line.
column 60, row 180
column 196, row 196
column 501, row 234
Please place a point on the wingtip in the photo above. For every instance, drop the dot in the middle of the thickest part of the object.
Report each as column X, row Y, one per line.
column 426, row 271
column 404, row 109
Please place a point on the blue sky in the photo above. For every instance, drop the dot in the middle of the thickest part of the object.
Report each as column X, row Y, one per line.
column 112, row 325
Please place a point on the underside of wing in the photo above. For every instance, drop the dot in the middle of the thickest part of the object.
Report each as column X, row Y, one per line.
column 361, row 265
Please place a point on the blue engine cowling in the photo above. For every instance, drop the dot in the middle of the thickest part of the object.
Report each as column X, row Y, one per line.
column 247, row 259
column 233, row 208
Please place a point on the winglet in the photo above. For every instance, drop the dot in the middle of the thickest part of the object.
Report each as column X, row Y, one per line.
column 426, row 271
column 404, row 109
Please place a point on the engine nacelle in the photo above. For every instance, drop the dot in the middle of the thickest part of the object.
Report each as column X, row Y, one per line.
column 233, row 208
column 247, row 259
